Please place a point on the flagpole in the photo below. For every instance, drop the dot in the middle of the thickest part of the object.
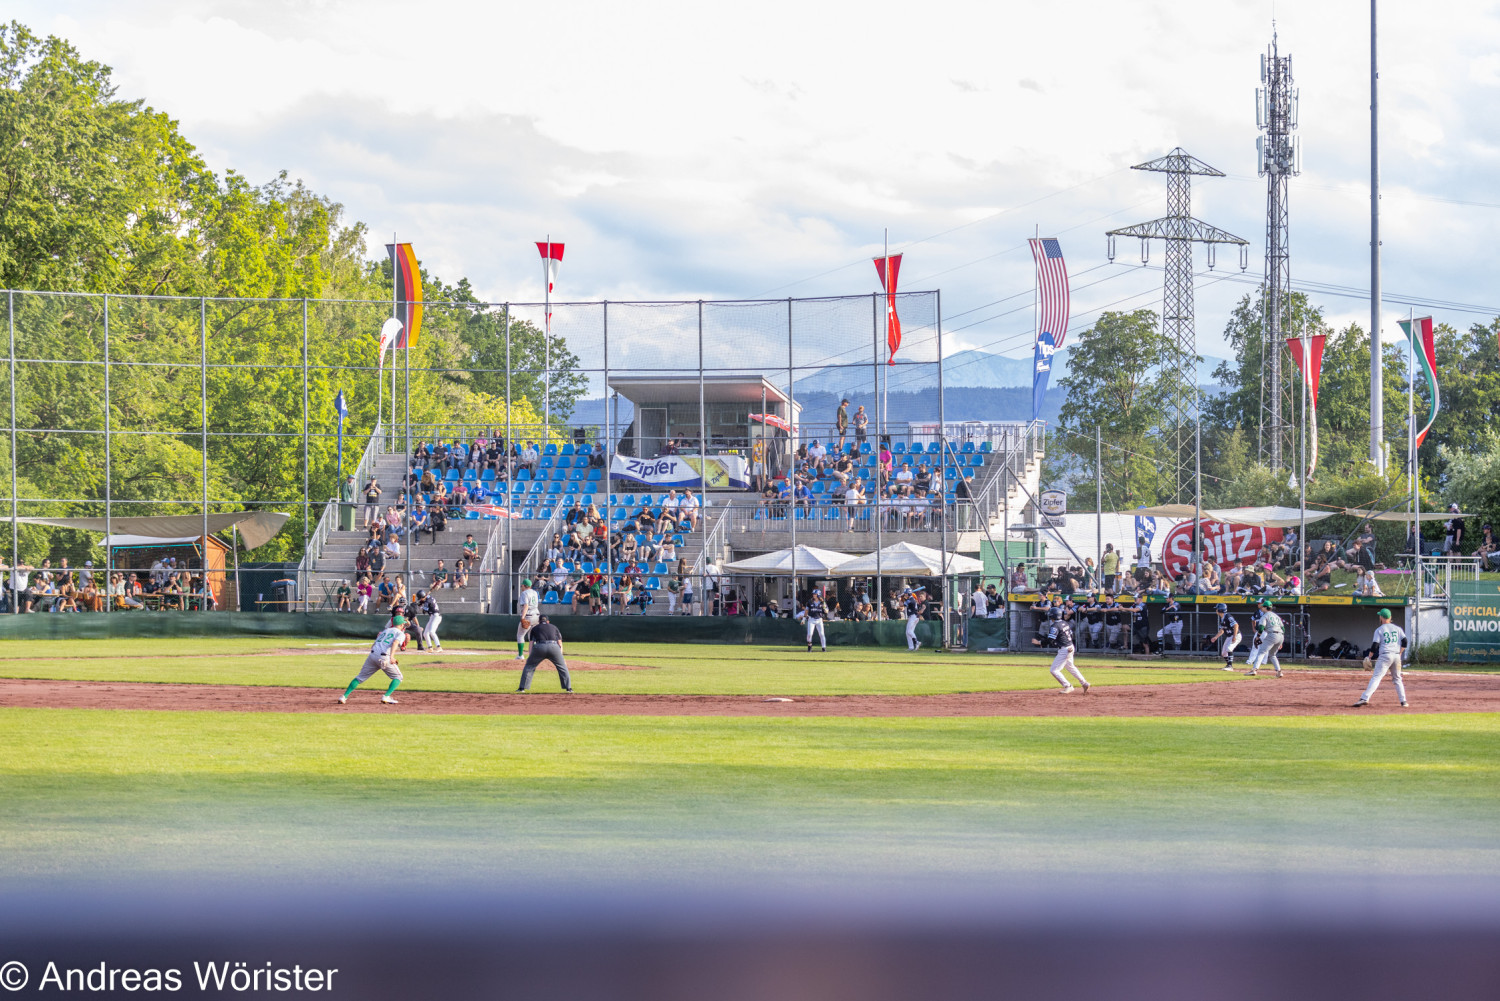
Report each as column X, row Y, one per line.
column 1411, row 454
column 547, row 340
column 886, row 392
column 1302, row 480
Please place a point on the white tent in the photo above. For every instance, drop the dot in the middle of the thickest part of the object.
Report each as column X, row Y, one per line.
column 809, row 562
column 1272, row 516
column 255, row 527
column 904, row 559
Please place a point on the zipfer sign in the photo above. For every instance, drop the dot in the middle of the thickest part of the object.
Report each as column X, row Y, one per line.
column 1474, row 621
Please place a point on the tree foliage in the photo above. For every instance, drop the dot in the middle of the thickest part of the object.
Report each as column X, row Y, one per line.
column 104, row 195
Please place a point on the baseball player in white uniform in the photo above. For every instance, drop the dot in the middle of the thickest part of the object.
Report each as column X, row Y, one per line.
column 1387, row 649
column 1063, row 635
column 815, row 611
column 1270, row 634
column 382, row 657
column 531, row 614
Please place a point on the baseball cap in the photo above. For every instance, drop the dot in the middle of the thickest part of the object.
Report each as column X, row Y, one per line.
column 1384, row 613
column 398, row 620
column 526, row 582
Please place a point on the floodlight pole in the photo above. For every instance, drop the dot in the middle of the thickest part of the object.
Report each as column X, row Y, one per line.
column 15, row 528
column 203, row 389
column 108, row 457
column 510, row 471
column 702, row 516
column 942, row 459
column 1099, row 505
column 1377, row 380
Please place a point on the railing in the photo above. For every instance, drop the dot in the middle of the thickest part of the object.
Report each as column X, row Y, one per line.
column 328, row 522
column 531, row 564
column 777, row 518
column 489, row 578
column 1439, row 573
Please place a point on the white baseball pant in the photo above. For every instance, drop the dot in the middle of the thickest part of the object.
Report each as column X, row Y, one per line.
column 1173, row 631
column 911, row 632
column 374, row 662
column 816, row 625
column 1388, row 662
column 1064, row 660
column 430, row 628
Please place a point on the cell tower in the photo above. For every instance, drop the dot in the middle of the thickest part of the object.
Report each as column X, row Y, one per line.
column 1180, row 231
column 1279, row 155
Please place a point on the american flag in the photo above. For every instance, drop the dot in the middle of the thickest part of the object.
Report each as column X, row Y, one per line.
column 1052, row 289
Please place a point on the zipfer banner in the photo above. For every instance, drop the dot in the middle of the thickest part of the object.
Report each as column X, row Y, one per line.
column 1474, row 621
column 682, row 471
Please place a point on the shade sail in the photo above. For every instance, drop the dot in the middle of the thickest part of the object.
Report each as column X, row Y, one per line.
column 1272, row 516
column 1373, row 515
column 256, row 527
column 809, row 561
column 903, row 559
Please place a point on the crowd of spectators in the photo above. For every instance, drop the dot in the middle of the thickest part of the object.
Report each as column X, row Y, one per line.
column 61, row 588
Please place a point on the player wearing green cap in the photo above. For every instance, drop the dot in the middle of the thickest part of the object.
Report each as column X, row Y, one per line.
column 382, row 657
column 530, row 607
column 1387, row 650
column 1270, row 635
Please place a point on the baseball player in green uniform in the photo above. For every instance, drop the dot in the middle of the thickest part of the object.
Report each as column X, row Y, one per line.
column 382, row 657
column 1388, row 646
column 1271, row 634
column 531, row 605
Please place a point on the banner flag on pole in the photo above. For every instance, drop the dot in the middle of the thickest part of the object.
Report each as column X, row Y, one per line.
column 408, row 294
column 1419, row 336
column 1309, row 359
column 1052, row 314
column 888, row 268
column 552, row 254
column 389, row 331
column 341, row 408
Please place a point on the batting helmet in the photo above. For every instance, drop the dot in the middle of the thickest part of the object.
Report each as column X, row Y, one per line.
column 1221, row 608
column 1055, row 614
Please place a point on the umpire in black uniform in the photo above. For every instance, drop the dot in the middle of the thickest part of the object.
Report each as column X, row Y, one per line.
column 546, row 644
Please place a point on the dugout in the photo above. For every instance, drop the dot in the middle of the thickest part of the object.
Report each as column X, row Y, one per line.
column 1310, row 620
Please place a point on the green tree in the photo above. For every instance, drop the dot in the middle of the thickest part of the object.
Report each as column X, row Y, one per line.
column 1118, row 382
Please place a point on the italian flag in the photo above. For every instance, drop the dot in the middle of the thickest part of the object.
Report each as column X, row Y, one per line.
column 1419, row 336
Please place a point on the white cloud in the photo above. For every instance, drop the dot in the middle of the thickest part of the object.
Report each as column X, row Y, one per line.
column 687, row 150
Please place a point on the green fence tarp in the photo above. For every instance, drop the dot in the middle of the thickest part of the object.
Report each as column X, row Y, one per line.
column 580, row 629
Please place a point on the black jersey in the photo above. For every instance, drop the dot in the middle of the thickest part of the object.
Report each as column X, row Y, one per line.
column 911, row 607
column 1063, row 633
column 428, row 606
column 1095, row 614
column 1172, row 613
column 816, row 609
column 1112, row 615
column 1227, row 624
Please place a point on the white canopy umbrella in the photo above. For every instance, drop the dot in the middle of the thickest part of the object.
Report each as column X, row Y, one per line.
column 1273, row 516
column 810, row 562
column 904, row 559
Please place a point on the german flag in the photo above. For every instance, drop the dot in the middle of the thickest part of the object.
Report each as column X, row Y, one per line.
column 408, row 292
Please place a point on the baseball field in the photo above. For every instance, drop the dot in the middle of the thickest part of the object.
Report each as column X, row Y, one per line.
column 231, row 758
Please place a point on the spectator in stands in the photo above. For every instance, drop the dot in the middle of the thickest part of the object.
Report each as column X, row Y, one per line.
column 1488, row 553
column 363, row 591
column 1366, row 586
column 392, row 548
column 429, row 482
column 689, row 510
column 436, row 522
column 861, row 425
column 625, row 550
column 344, row 597
column 461, row 573
column 418, row 522
column 1211, row 582
column 377, row 558
column 120, row 593
column 372, row 502
column 904, row 476
column 1018, row 583
column 439, row 579
column 668, row 552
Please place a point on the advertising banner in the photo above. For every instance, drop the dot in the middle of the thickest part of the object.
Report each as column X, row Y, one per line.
column 1474, row 621
column 1224, row 544
column 725, row 472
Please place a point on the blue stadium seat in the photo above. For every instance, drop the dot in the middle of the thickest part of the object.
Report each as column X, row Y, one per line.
column 759, row 515
column 539, row 487
column 551, row 449
column 619, row 514
column 968, row 448
column 585, row 449
column 578, row 475
column 555, row 487
column 677, row 540
column 985, row 447
column 528, row 514
column 588, row 500
column 588, row 566
column 567, row 448
column 545, row 462
column 817, row 487
column 471, row 475
column 570, row 488
column 976, row 461
column 657, row 539
column 629, row 500
column 581, row 462
column 487, row 476
column 594, row 475
column 558, row 475
column 951, row 473
column 653, row 584
column 471, row 516
column 645, row 500
column 452, row 475
column 550, row 598
column 522, row 475
column 660, row 568
column 900, row 448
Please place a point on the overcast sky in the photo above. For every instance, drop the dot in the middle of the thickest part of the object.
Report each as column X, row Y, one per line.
column 686, row 150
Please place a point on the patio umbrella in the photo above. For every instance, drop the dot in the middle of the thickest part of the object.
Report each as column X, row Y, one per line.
column 905, row 560
column 810, row 562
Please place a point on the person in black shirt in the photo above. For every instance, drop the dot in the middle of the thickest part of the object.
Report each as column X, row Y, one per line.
column 1095, row 617
column 1063, row 632
column 546, row 644
column 428, row 606
column 1229, row 631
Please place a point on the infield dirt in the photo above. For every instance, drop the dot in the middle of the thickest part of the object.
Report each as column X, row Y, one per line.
column 1300, row 693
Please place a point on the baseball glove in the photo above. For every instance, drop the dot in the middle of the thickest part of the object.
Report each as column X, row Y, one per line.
column 1367, row 663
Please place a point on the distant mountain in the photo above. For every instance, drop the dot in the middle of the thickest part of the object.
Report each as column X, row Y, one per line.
column 965, row 368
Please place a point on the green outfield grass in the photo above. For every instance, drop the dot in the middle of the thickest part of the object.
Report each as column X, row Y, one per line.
column 676, row 669
column 99, row 795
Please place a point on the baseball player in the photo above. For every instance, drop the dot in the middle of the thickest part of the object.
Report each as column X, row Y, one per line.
column 1270, row 635
column 382, row 657
column 1094, row 614
column 546, row 644
column 531, row 605
column 428, row 606
column 814, row 613
column 1228, row 636
column 1171, row 626
column 1063, row 632
column 1388, row 648
column 1114, row 622
column 912, row 607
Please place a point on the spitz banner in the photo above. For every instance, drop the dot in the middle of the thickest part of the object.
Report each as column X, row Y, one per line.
column 683, row 471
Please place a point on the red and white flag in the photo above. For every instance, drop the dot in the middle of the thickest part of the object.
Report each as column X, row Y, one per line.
column 888, row 268
column 551, row 258
column 1309, row 359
